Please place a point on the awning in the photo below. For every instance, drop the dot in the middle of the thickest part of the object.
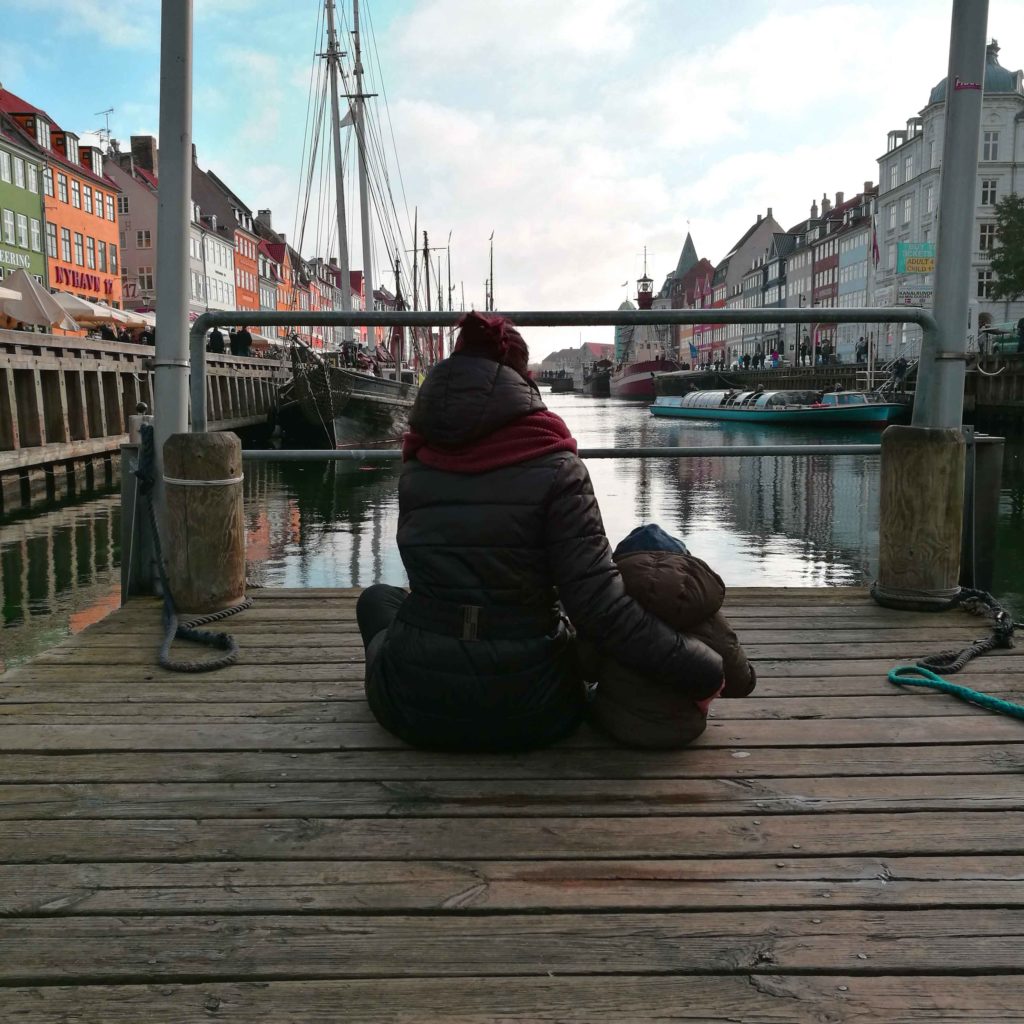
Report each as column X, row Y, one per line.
column 90, row 313
column 35, row 305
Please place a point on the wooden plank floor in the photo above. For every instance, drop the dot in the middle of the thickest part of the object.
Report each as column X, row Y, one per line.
column 249, row 847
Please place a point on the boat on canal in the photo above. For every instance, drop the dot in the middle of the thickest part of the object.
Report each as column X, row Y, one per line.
column 641, row 350
column 839, row 408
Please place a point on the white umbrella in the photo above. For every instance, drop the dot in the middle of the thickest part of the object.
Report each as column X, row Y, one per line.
column 9, row 293
column 86, row 312
column 35, row 305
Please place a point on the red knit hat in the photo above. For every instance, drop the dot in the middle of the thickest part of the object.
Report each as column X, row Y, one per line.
column 492, row 337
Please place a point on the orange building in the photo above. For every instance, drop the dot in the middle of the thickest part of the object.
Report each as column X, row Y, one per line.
column 79, row 207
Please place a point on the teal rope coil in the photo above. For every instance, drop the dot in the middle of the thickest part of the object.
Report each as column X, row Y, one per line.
column 918, row 675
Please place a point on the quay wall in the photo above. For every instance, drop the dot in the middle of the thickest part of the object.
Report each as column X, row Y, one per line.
column 65, row 403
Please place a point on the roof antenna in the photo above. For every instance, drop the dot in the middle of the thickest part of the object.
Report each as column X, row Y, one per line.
column 104, row 133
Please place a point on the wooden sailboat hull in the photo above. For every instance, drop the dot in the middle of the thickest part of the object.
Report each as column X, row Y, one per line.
column 349, row 408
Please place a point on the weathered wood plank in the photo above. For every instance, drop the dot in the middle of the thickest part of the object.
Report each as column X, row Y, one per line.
column 259, row 735
column 352, row 707
column 580, row 999
column 617, row 763
column 257, row 887
column 72, row 949
column 512, row 798
column 788, row 837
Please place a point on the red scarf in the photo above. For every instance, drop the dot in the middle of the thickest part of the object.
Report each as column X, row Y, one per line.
column 529, row 437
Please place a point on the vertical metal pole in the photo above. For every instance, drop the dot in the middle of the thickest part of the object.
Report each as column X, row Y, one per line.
column 333, row 56
column 939, row 395
column 171, row 363
column 364, row 194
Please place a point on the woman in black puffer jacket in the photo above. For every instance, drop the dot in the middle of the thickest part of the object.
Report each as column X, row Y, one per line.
column 503, row 543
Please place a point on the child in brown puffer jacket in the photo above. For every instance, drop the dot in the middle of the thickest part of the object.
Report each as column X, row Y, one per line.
column 686, row 594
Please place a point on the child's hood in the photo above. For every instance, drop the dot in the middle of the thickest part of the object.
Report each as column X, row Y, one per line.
column 680, row 589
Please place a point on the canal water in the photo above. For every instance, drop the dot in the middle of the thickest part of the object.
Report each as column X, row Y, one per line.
column 773, row 521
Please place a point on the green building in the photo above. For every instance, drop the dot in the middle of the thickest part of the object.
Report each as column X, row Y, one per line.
column 21, row 206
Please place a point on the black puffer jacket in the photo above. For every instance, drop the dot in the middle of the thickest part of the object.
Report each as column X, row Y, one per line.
column 499, row 543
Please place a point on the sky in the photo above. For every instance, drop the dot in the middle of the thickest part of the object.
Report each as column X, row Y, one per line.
column 579, row 132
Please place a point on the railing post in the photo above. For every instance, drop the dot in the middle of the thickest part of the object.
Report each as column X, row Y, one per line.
column 922, row 474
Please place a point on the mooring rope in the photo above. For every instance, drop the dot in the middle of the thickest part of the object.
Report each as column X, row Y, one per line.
column 145, row 473
column 925, row 671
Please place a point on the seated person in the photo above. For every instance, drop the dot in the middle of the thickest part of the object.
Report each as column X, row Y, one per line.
column 686, row 594
column 503, row 543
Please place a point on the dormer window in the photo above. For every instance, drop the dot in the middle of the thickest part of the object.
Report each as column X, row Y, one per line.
column 97, row 162
column 71, row 148
column 42, row 133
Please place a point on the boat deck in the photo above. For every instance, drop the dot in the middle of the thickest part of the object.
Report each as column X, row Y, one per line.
column 249, row 847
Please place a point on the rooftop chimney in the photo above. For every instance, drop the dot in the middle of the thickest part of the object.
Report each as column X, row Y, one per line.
column 145, row 153
column 840, row 196
column 826, row 204
column 814, row 210
column 769, row 213
column 264, row 217
column 868, row 185
column 759, row 218
column 194, row 157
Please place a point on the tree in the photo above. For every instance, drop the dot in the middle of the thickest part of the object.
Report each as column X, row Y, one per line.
column 1008, row 252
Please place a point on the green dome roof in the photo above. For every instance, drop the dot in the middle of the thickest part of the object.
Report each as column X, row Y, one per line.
column 997, row 78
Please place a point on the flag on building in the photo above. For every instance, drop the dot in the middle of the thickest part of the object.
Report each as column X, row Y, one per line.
column 875, row 254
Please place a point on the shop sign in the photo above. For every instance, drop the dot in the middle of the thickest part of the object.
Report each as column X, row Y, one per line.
column 915, row 296
column 915, row 257
column 15, row 259
column 90, row 282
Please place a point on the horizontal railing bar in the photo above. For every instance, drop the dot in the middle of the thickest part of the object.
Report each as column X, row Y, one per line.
column 567, row 318
column 694, row 451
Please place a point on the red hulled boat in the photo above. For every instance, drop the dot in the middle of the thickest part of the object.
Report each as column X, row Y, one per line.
column 641, row 350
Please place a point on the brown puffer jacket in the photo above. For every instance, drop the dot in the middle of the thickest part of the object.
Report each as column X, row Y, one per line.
column 686, row 594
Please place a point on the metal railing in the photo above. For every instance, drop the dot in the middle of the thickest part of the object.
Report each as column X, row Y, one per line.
column 534, row 318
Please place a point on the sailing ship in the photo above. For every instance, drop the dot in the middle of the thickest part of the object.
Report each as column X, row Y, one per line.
column 641, row 350
column 353, row 398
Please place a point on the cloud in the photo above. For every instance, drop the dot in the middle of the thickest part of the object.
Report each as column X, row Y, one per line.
column 117, row 23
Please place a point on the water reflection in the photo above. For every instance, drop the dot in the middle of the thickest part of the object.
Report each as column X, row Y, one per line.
column 758, row 521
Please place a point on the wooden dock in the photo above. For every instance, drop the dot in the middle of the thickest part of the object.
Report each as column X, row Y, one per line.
column 249, row 847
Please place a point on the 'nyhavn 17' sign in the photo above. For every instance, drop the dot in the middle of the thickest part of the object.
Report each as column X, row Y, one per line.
column 90, row 282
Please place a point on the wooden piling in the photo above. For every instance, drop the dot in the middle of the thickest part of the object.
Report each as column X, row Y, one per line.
column 204, row 528
column 921, row 518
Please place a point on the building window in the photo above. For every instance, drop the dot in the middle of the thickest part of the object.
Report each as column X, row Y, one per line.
column 76, row 194
column 5, row 165
column 36, row 235
column 87, row 198
column 62, row 187
column 65, row 245
column 894, row 173
column 42, row 133
column 51, row 241
column 892, row 215
column 19, row 172
column 48, row 180
column 986, row 237
column 23, row 231
column 143, row 240
column 929, row 199
column 113, row 258
column 990, row 146
column 79, row 249
column 122, row 204
column 908, row 206
column 984, row 284
column 99, row 203
column 9, row 227
column 908, row 168
column 891, row 256
column 103, row 256
column 71, row 148
column 90, row 253
column 33, row 178
column 146, row 279
column 988, row 191
column 110, row 209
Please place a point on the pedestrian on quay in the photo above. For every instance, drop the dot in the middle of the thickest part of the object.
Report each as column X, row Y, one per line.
column 775, row 358
column 899, row 372
column 496, row 510
column 107, row 333
column 746, row 360
column 215, row 343
column 244, row 341
column 804, row 350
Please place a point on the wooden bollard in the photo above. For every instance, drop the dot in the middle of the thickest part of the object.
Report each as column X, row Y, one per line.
column 204, row 529
column 921, row 518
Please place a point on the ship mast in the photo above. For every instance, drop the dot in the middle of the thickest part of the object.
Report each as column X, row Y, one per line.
column 364, row 196
column 333, row 57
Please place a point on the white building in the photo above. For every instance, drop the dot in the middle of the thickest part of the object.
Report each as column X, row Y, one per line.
column 909, row 195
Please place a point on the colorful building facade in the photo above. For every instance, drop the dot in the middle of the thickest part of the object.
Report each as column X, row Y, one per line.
column 21, row 205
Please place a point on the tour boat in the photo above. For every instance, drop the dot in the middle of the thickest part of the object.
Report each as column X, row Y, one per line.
column 847, row 408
